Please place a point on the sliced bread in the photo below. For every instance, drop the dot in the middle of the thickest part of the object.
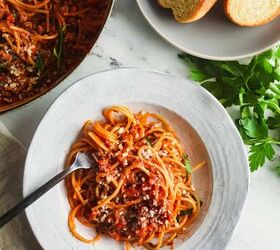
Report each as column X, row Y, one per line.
column 186, row 11
column 252, row 12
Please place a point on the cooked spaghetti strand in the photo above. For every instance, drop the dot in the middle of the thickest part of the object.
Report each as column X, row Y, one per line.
column 140, row 193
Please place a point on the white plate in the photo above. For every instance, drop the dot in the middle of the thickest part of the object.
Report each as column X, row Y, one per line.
column 201, row 123
column 213, row 36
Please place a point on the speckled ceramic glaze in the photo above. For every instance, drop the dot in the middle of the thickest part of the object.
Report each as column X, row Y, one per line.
column 202, row 124
column 213, row 36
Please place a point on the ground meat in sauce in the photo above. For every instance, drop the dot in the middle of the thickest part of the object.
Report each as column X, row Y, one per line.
column 29, row 67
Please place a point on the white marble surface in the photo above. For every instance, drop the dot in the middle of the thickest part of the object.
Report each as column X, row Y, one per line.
column 128, row 41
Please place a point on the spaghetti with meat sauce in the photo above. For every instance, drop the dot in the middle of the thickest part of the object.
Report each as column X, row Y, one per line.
column 41, row 41
column 141, row 192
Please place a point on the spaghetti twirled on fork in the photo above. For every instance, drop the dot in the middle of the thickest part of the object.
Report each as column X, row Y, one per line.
column 140, row 193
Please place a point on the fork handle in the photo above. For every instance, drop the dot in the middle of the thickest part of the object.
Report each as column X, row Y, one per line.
column 17, row 209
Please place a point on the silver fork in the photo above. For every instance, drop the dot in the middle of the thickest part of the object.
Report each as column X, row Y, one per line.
column 82, row 161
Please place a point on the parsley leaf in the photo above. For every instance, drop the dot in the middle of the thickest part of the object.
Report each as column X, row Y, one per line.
column 259, row 153
column 255, row 89
column 3, row 65
column 187, row 164
column 274, row 122
column 148, row 140
column 186, row 212
column 277, row 170
column 254, row 128
column 39, row 63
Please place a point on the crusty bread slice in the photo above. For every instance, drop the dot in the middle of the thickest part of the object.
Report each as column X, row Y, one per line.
column 186, row 11
column 252, row 12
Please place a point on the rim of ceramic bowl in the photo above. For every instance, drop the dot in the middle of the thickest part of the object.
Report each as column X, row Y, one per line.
column 232, row 127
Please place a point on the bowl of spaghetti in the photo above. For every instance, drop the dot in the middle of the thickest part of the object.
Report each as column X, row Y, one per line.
column 42, row 42
column 141, row 193
column 164, row 172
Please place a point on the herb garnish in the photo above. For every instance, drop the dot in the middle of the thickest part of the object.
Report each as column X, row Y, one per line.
column 58, row 48
column 277, row 170
column 187, row 163
column 255, row 88
column 39, row 63
column 148, row 140
column 3, row 65
column 186, row 212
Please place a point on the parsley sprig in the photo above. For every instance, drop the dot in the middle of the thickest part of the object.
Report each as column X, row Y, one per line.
column 255, row 88
column 187, row 163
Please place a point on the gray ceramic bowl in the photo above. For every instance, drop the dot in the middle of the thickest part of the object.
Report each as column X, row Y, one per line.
column 213, row 36
column 202, row 124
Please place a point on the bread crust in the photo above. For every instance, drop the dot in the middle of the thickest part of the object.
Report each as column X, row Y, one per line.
column 201, row 9
column 251, row 24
